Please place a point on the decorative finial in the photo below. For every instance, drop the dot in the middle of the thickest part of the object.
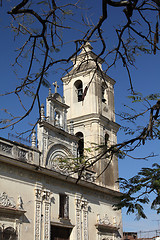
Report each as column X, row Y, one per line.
column 20, row 203
column 42, row 113
column 34, row 138
column 56, row 86
column 50, row 94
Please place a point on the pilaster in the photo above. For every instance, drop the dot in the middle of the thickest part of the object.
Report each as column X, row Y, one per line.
column 46, row 214
column 78, row 216
column 85, row 219
column 38, row 211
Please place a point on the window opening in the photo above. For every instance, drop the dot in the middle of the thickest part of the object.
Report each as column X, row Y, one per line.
column 80, row 149
column 8, row 233
column 103, row 88
column 79, row 90
column 60, row 233
column 106, row 139
column 63, row 206
column 103, row 98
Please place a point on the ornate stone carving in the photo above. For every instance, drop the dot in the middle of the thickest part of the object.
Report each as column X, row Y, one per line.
column 42, row 197
column 104, row 220
column 85, row 219
column 58, row 164
column 47, row 200
column 38, row 194
column 22, row 154
column 81, row 217
column 78, row 216
column 44, row 144
column 89, row 176
column 47, row 222
column 20, row 203
column 38, row 211
column 30, row 157
column 5, row 201
column 6, row 148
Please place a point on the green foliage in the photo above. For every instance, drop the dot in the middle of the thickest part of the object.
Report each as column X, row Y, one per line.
column 137, row 189
column 138, row 97
column 135, row 48
column 154, row 97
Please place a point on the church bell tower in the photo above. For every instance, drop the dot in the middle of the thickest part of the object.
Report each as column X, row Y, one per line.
column 90, row 94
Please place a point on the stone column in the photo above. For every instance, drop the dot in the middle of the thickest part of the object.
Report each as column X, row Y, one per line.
column 46, row 215
column 38, row 211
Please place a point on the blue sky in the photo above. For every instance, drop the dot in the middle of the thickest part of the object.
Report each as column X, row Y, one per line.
column 145, row 80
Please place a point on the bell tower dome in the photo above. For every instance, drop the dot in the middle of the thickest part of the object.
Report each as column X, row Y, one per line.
column 90, row 94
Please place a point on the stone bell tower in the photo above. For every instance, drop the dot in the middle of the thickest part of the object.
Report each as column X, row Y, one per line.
column 90, row 94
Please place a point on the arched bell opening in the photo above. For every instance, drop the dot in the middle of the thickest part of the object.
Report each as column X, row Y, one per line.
column 80, row 148
column 79, row 90
column 103, row 92
column 106, row 139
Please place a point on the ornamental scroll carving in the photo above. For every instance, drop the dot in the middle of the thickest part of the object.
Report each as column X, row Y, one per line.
column 38, row 212
column 6, row 148
column 85, row 219
column 81, row 217
column 78, row 216
column 6, row 201
column 47, row 206
column 42, row 213
column 105, row 220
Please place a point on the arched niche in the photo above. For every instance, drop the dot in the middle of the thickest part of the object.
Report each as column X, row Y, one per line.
column 57, row 118
column 78, row 87
column 80, row 148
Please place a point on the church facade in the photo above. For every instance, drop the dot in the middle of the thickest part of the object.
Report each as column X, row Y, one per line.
column 40, row 197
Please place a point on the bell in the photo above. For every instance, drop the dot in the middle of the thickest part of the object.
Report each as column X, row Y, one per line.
column 79, row 95
column 79, row 92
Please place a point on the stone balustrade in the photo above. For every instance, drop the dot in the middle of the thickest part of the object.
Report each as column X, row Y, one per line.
column 18, row 151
